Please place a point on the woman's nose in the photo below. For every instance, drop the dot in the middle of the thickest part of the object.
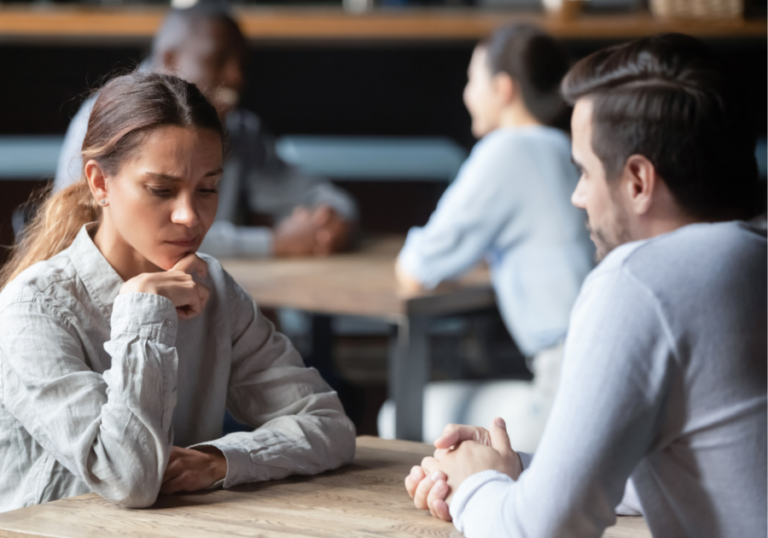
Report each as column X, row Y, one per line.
column 185, row 213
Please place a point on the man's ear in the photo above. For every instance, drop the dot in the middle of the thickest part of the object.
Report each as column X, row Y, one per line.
column 640, row 183
column 505, row 87
column 97, row 180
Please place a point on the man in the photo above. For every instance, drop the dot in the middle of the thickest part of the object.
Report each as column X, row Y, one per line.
column 664, row 377
column 204, row 45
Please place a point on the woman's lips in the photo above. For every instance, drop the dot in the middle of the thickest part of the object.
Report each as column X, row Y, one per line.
column 187, row 243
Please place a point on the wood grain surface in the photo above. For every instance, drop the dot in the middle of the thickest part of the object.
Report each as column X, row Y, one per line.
column 359, row 283
column 364, row 500
column 61, row 23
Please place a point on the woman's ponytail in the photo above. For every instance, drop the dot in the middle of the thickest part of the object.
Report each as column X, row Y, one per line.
column 54, row 227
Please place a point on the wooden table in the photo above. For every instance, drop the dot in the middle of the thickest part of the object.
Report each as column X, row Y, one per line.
column 268, row 24
column 364, row 499
column 363, row 284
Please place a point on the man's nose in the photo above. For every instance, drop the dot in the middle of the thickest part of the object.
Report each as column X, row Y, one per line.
column 579, row 196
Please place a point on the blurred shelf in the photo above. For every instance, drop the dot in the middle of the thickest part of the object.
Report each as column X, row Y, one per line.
column 262, row 24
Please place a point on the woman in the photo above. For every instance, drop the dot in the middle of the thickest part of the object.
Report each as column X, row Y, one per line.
column 119, row 345
column 510, row 205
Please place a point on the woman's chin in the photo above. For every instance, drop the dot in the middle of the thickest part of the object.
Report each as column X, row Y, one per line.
column 167, row 261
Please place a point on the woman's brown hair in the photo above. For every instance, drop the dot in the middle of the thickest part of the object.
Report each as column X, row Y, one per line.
column 537, row 63
column 127, row 108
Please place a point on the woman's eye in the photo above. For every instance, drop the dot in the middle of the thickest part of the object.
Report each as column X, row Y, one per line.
column 163, row 193
column 208, row 191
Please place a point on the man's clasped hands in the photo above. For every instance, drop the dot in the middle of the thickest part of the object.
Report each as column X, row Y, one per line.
column 461, row 452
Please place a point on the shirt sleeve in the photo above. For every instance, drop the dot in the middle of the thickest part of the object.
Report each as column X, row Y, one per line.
column 630, row 503
column 470, row 215
column 70, row 165
column 113, row 431
column 300, row 425
column 618, row 366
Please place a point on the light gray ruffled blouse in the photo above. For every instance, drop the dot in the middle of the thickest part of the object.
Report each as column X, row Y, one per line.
column 96, row 387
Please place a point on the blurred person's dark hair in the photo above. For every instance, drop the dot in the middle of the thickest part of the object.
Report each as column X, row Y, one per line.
column 180, row 24
column 537, row 63
column 671, row 99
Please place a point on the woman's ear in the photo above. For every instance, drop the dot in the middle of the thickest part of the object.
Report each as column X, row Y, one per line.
column 505, row 88
column 97, row 181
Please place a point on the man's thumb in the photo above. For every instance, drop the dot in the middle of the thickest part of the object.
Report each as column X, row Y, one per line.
column 499, row 437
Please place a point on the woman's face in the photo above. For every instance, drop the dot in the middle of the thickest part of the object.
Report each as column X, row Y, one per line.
column 481, row 95
column 163, row 200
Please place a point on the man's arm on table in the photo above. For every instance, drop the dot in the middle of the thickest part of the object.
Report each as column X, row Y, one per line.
column 618, row 364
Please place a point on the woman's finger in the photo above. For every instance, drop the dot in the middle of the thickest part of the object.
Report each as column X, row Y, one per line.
column 178, row 483
column 192, row 263
column 204, row 293
column 174, row 469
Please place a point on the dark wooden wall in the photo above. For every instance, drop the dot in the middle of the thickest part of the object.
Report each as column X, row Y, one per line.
column 365, row 89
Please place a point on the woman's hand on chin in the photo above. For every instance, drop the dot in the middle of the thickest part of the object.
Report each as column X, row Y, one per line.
column 177, row 284
column 193, row 469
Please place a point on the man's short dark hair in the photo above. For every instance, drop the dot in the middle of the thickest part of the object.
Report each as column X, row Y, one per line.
column 671, row 99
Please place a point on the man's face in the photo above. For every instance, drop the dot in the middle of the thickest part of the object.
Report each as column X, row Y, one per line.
column 212, row 59
column 608, row 218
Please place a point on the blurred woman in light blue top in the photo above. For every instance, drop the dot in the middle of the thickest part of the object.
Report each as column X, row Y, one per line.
column 510, row 205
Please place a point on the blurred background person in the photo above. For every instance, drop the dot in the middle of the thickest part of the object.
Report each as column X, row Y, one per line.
column 510, row 205
column 204, row 45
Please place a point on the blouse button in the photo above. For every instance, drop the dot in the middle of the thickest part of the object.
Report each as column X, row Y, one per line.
column 169, row 323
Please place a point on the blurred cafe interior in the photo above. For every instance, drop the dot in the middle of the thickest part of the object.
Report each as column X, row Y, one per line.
column 345, row 125
column 365, row 93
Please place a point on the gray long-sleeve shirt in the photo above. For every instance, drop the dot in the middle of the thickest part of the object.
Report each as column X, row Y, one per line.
column 96, row 387
column 255, row 179
column 664, row 379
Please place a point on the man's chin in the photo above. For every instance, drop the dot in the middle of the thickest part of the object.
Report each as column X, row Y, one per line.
column 602, row 248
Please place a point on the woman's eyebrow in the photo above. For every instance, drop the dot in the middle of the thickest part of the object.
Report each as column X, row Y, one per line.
column 167, row 177
column 171, row 177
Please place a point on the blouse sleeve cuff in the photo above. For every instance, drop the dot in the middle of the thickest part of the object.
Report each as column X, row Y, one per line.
column 146, row 314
